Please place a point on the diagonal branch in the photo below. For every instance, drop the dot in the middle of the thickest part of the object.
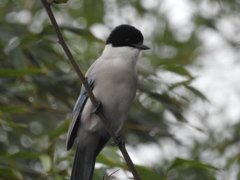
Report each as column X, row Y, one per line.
column 121, row 145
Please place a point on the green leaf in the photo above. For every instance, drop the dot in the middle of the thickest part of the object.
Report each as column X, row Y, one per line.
column 59, row 1
column 9, row 173
column 82, row 32
column 177, row 69
column 180, row 162
column 9, row 123
column 108, row 156
column 146, row 172
column 19, row 72
column 197, row 92
column 24, row 155
column 183, row 83
column 9, row 110
column 46, row 162
column 171, row 104
column 62, row 129
column 51, row 150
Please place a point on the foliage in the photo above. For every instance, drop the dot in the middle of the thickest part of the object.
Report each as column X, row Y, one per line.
column 38, row 89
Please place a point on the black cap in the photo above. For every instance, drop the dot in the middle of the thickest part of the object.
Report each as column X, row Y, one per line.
column 126, row 35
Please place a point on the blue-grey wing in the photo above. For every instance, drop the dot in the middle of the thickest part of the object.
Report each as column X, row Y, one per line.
column 76, row 115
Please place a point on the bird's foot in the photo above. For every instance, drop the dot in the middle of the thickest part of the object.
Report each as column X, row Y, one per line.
column 117, row 141
column 97, row 109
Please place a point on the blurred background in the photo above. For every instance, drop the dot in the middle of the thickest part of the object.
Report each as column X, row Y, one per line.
column 185, row 121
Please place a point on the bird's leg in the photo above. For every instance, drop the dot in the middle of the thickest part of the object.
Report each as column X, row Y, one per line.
column 97, row 109
column 117, row 141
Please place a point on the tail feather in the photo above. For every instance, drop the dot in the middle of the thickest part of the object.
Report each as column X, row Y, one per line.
column 88, row 148
column 83, row 165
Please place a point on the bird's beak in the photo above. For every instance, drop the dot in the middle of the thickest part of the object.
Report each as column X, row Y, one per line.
column 140, row 46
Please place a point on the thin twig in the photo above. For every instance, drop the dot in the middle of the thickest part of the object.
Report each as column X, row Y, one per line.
column 112, row 174
column 75, row 65
column 121, row 145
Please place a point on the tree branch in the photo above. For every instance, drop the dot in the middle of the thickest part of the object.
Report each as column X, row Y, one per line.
column 121, row 145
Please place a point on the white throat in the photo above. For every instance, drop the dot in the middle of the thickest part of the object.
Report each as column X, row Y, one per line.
column 127, row 55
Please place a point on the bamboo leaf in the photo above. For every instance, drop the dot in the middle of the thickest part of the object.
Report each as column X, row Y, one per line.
column 46, row 162
column 24, row 155
column 8, row 110
column 183, row 83
column 62, row 129
column 177, row 69
column 197, row 92
column 51, row 150
column 108, row 156
column 59, row 1
column 147, row 172
column 19, row 72
column 8, row 173
column 171, row 104
column 9, row 123
column 180, row 162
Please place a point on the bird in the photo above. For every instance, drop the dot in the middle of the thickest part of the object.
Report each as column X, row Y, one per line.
column 113, row 80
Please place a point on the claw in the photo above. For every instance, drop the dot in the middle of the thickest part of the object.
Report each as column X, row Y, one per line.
column 97, row 109
column 117, row 141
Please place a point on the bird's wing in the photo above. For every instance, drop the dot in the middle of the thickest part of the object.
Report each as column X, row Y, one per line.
column 76, row 115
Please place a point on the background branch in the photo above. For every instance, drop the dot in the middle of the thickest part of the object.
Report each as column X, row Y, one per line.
column 121, row 145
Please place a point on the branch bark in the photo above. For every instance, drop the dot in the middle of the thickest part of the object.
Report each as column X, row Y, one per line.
column 121, row 145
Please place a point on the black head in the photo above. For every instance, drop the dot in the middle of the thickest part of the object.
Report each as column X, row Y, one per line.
column 126, row 35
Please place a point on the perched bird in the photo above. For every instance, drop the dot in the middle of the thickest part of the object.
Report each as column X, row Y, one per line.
column 113, row 80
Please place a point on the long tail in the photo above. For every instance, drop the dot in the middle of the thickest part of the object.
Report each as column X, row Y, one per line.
column 88, row 148
column 83, row 165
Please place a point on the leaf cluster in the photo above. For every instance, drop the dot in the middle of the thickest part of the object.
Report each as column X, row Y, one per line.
column 38, row 89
